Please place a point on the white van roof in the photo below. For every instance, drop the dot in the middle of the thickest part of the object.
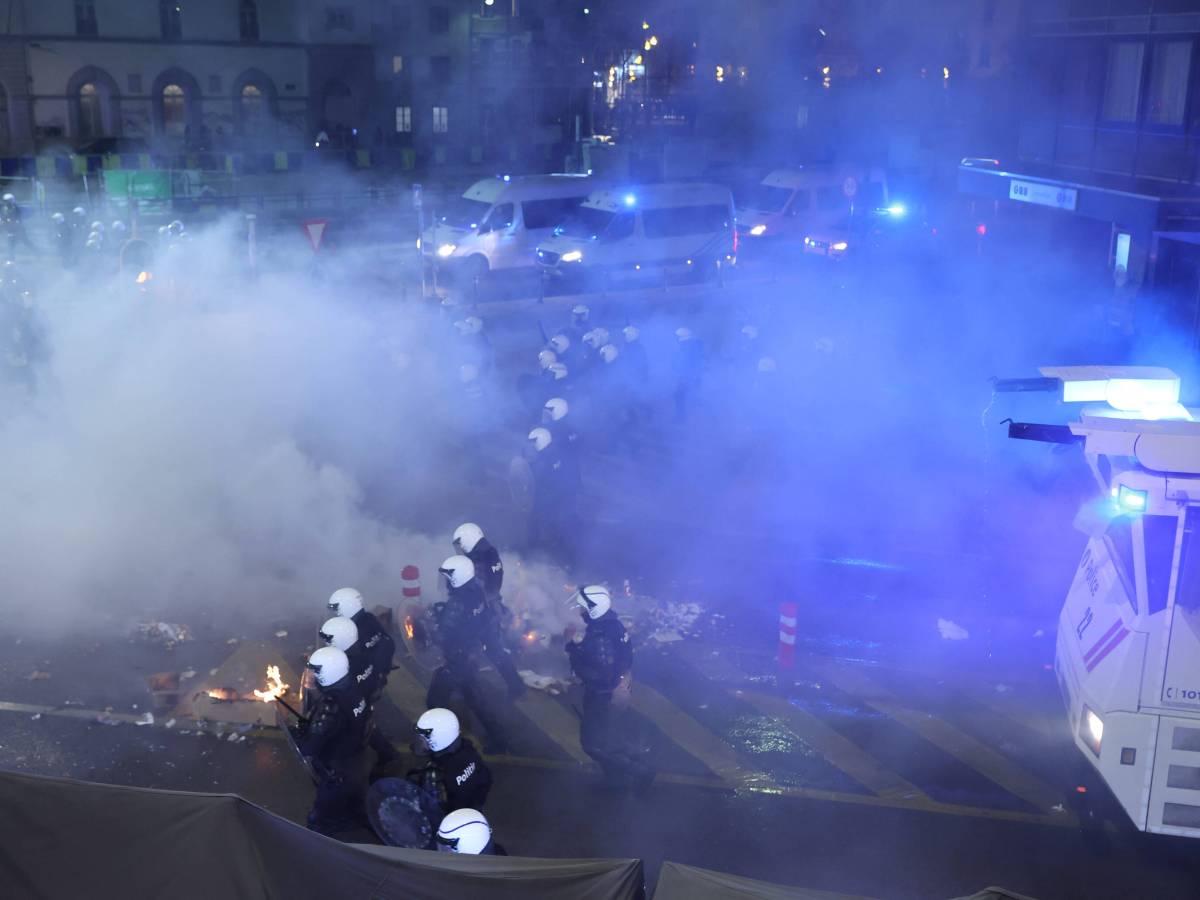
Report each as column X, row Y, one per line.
column 529, row 187
column 658, row 196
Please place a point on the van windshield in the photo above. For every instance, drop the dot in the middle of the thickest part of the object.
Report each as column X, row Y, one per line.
column 766, row 198
column 465, row 213
column 587, row 223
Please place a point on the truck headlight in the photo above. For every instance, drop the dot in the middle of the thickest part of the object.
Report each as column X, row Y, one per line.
column 758, row 230
column 446, row 249
column 839, row 246
column 572, row 256
column 1130, row 500
column 1091, row 729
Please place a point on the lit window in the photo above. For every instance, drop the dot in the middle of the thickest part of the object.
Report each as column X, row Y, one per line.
column 91, row 116
column 253, row 109
column 404, row 119
column 174, row 105
column 441, row 119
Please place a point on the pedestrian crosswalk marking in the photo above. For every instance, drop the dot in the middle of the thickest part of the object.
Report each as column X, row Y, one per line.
column 555, row 720
column 689, row 734
column 838, row 750
column 942, row 734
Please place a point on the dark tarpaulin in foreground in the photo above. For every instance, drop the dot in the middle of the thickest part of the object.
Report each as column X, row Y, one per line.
column 65, row 838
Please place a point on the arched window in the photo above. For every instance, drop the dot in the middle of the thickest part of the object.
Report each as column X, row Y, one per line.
column 248, row 20
column 253, row 109
column 91, row 113
column 174, row 107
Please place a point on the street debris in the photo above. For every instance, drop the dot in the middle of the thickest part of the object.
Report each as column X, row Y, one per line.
column 167, row 634
column 231, row 641
column 36, row 716
column 186, row 674
column 37, row 675
column 669, row 622
column 170, row 723
column 282, row 633
column 951, row 631
column 146, row 719
column 106, row 719
column 538, row 682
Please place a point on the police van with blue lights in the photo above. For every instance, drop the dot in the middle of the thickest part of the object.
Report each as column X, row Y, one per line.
column 496, row 224
column 1127, row 656
column 656, row 229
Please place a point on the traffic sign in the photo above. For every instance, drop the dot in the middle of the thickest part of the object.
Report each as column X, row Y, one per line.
column 315, row 229
column 850, row 186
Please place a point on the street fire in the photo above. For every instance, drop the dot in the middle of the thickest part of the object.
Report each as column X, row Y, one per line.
column 226, row 694
column 409, row 628
column 275, row 686
column 530, row 636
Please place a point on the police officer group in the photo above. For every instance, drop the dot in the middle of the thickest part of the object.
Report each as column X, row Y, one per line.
column 351, row 671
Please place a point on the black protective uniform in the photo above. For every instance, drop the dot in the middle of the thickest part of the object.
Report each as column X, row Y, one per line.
column 460, row 777
column 554, row 518
column 599, row 660
column 334, row 739
column 461, row 627
column 489, row 573
column 376, row 648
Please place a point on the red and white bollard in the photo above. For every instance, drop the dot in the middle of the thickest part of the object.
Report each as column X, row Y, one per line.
column 787, row 641
column 410, row 579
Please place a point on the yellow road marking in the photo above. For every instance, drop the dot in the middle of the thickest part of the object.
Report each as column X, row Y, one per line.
column 689, row 734
column 556, row 721
column 837, row 749
column 964, row 747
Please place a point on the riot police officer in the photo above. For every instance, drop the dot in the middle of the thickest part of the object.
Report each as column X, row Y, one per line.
column 456, row 772
column 332, row 740
column 469, row 540
column 467, row 831
column 460, row 628
column 602, row 660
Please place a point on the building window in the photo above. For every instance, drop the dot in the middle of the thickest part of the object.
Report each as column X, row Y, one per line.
column 1167, row 98
column 1123, row 86
column 91, row 115
column 441, row 119
column 170, row 17
column 439, row 67
column 339, row 18
column 404, row 119
column 214, row 84
column 439, row 19
column 85, row 17
column 135, row 83
column 174, row 105
column 253, row 109
column 397, row 65
column 248, row 20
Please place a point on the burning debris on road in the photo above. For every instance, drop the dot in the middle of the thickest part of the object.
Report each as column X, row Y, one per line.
column 166, row 634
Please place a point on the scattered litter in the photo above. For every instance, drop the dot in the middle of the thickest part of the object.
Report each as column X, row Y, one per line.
column 666, row 636
column 232, row 641
column 168, row 634
column 669, row 623
column 1039, row 633
column 187, row 673
column 170, row 723
column 538, row 682
column 1002, row 689
column 146, row 719
column 106, row 719
column 951, row 631
column 36, row 716
column 233, row 737
column 282, row 633
column 212, row 671
column 1058, row 807
column 37, row 675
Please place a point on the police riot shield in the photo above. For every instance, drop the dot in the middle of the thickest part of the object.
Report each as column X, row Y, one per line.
column 284, row 722
column 402, row 814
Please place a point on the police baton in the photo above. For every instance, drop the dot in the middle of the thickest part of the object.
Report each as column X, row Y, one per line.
column 289, row 708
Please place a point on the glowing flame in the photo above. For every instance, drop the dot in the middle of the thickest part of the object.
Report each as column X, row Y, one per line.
column 531, row 636
column 275, row 686
column 143, row 277
column 224, row 693
column 408, row 627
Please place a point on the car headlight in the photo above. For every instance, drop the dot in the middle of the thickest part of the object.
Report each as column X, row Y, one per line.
column 1091, row 729
column 572, row 256
column 758, row 230
column 446, row 249
column 840, row 246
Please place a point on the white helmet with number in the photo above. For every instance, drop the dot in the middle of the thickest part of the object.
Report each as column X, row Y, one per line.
column 609, row 352
column 464, row 831
column 339, row 632
column 330, row 665
column 466, row 536
column 458, row 570
column 346, row 602
column 439, row 727
column 540, row 438
column 559, row 371
column 559, row 344
column 555, row 409
column 594, row 599
column 546, row 359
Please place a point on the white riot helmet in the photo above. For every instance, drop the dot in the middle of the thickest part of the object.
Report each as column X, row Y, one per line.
column 118, row 226
column 546, row 359
column 559, row 371
column 464, row 831
column 540, row 438
column 608, row 352
column 58, row 218
column 580, row 313
column 330, row 665
column 438, row 727
column 683, row 334
column 555, row 409
column 596, row 338
column 346, row 602
column 339, row 632
column 9, row 198
column 79, row 211
column 97, row 226
column 630, row 333
column 594, row 600
column 560, row 344
column 466, row 537
column 458, row 570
